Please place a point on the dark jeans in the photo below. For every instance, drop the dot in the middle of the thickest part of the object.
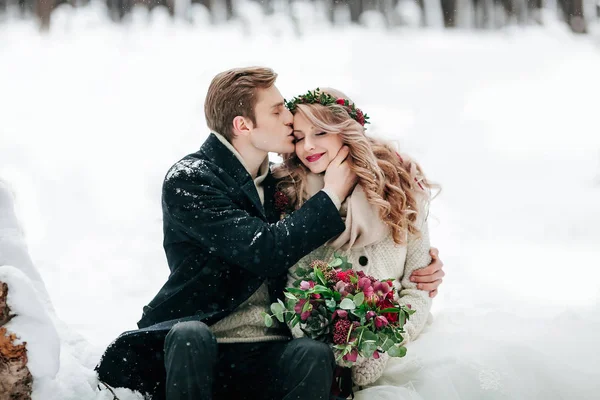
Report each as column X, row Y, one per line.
column 200, row 369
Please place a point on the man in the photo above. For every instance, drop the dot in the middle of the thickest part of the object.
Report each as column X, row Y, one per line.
column 203, row 336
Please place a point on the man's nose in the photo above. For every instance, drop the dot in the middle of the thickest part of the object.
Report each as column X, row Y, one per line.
column 288, row 117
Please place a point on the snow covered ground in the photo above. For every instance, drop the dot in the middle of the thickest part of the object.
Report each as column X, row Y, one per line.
column 93, row 114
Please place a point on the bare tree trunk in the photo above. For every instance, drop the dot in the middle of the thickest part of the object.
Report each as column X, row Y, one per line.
column 43, row 10
column 573, row 15
column 534, row 7
column 356, row 8
column 15, row 379
column 449, row 10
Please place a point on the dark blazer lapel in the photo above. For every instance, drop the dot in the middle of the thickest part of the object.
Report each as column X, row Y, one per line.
column 216, row 151
column 270, row 186
column 250, row 190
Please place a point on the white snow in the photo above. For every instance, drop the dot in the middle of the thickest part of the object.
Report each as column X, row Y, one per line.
column 94, row 114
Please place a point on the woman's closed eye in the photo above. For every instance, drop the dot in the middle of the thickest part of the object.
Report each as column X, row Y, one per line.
column 296, row 140
column 321, row 134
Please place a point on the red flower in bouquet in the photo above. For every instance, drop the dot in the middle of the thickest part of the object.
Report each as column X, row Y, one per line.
column 381, row 289
column 339, row 313
column 300, row 306
column 340, row 331
column 304, row 285
column 344, row 288
column 364, row 284
column 381, row 322
column 352, row 356
column 392, row 317
column 345, row 275
column 344, row 308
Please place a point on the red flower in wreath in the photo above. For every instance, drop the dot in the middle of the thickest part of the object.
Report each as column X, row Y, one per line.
column 360, row 118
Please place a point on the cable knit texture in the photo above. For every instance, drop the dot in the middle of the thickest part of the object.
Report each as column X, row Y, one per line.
column 246, row 323
column 367, row 371
column 385, row 259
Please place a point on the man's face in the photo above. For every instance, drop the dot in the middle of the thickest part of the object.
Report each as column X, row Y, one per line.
column 273, row 129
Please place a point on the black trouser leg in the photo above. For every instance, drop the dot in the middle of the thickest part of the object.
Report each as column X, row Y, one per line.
column 190, row 359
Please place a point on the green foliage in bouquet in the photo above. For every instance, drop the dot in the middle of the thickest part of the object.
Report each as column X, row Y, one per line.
column 355, row 313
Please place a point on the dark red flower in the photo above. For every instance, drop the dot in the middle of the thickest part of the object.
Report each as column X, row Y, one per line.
column 298, row 309
column 360, row 118
column 352, row 356
column 340, row 331
column 341, row 101
column 345, row 275
column 281, row 201
column 391, row 316
column 381, row 322
column 343, row 314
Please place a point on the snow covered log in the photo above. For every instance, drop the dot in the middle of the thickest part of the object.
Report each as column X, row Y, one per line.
column 15, row 379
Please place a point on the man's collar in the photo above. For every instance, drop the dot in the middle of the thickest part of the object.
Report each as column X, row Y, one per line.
column 215, row 150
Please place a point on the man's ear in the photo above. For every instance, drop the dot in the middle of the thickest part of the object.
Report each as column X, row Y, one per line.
column 242, row 126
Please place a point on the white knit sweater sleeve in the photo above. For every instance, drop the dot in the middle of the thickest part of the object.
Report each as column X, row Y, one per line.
column 417, row 257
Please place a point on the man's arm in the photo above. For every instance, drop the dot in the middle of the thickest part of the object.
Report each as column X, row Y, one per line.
column 430, row 278
column 210, row 216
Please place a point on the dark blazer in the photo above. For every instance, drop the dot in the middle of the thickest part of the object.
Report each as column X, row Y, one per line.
column 221, row 245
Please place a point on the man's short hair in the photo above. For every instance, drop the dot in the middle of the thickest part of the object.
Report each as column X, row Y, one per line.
column 232, row 93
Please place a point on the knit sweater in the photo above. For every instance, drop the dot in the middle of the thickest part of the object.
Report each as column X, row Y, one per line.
column 385, row 259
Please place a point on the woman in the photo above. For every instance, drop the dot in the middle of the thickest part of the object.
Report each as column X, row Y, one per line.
column 386, row 236
column 386, row 215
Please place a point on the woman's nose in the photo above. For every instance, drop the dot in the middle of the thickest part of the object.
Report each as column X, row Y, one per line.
column 308, row 144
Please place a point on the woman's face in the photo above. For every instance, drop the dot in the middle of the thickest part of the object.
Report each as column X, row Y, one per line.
column 315, row 148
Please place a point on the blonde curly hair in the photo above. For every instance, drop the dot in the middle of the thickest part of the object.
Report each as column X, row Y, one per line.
column 391, row 182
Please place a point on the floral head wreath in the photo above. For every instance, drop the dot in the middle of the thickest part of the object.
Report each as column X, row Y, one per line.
column 325, row 99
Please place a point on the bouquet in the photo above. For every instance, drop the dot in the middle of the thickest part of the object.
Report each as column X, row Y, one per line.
column 355, row 313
